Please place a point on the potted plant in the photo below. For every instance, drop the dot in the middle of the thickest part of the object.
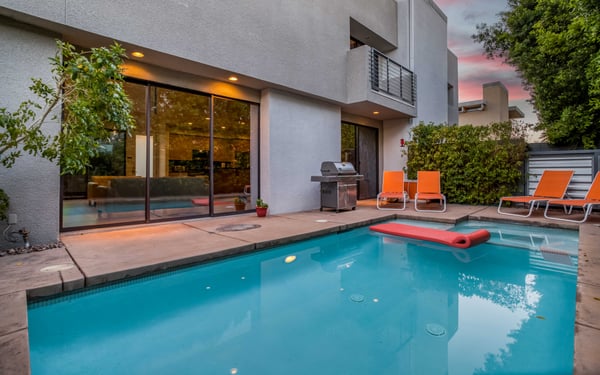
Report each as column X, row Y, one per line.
column 240, row 203
column 261, row 208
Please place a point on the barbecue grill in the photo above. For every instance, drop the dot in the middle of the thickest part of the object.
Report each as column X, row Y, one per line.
column 338, row 185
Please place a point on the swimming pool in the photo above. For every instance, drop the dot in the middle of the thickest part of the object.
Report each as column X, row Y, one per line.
column 354, row 303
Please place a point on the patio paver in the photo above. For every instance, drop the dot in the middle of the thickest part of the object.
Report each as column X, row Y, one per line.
column 111, row 254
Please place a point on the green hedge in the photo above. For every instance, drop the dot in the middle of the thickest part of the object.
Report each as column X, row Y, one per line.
column 478, row 164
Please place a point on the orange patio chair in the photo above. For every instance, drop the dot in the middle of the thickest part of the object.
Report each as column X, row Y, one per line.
column 587, row 204
column 393, row 188
column 428, row 188
column 552, row 185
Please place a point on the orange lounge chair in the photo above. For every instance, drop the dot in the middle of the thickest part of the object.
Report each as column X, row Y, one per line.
column 393, row 188
column 428, row 188
column 591, row 199
column 552, row 185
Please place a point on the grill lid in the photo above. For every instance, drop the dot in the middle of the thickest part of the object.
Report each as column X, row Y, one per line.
column 335, row 168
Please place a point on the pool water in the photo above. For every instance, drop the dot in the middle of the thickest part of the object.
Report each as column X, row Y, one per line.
column 358, row 302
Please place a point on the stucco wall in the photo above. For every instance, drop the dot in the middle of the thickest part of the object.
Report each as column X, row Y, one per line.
column 32, row 184
column 299, row 49
column 393, row 132
column 430, row 62
column 296, row 134
column 453, row 91
column 298, row 44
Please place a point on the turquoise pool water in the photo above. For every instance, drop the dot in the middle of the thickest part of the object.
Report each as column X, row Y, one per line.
column 358, row 302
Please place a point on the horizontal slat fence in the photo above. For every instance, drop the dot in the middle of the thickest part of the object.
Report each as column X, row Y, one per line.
column 583, row 162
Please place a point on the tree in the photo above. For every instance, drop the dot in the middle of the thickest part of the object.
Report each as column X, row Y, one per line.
column 555, row 47
column 87, row 92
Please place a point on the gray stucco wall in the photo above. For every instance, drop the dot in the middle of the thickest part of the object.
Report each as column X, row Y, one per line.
column 32, row 184
column 298, row 49
column 300, row 45
column 430, row 62
column 453, row 94
column 297, row 134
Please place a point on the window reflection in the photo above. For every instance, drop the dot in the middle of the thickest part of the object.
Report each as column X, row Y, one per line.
column 166, row 168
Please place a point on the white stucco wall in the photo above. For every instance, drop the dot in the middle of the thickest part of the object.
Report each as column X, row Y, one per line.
column 430, row 62
column 393, row 132
column 422, row 43
column 33, row 184
column 296, row 135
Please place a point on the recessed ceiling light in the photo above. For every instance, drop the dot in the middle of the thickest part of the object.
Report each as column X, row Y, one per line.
column 233, row 78
column 137, row 54
column 375, row 112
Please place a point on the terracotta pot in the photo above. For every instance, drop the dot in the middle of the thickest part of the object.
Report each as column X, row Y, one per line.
column 240, row 206
column 261, row 211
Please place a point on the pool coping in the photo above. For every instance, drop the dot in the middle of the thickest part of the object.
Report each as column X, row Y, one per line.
column 206, row 242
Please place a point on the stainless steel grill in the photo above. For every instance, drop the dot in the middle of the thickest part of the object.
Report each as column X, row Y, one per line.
column 338, row 185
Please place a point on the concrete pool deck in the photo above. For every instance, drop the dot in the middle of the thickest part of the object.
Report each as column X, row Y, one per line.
column 98, row 256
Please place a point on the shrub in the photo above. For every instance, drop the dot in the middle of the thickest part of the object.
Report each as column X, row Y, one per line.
column 478, row 164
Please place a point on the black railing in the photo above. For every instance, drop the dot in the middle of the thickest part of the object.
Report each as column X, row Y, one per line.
column 391, row 78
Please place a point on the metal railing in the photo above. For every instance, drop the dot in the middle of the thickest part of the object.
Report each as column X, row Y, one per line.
column 391, row 78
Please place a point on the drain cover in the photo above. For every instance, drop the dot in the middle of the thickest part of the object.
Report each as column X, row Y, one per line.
column 237, row 227
column 435, row 329
column 58, row 267
column 357, row 298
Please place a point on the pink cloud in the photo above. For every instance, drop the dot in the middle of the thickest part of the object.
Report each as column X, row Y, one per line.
column 474, row 68
column 474, row 59
column 444, row 3
column 471, row 88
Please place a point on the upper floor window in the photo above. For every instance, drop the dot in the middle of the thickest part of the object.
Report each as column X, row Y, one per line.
column 355, row 43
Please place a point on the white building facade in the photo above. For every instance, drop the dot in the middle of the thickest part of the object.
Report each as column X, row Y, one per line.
column 316, row 81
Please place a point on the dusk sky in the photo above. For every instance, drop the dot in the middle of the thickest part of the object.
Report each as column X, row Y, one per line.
column 474, row 68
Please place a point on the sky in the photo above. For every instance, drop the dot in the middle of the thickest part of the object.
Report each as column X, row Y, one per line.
column 474, row 68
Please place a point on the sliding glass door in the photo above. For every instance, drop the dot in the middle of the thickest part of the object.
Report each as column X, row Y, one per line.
column 359, row 147
column 178, row 155
column 188, row 157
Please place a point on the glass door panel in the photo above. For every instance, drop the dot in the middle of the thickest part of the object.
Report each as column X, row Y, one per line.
column 231, row 156
column 359, row 147
column 179, row 154
column 111, row 191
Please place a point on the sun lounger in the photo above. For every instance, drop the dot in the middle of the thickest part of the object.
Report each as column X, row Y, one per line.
column 392, row 189
column 428, row 188
column 587, row 204
column 552, row 185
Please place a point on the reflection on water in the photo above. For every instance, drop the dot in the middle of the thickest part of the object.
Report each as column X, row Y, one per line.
column 354, row 303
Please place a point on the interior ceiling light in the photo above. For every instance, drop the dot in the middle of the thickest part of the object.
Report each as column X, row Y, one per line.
column 137, row 54
column 233, row 78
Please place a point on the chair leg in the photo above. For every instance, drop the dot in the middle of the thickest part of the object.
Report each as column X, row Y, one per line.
column 442, row 203
column 379, row 207
column 531, row 208
column 587, row 210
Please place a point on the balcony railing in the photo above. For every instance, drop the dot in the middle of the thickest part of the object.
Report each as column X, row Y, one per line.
column 391, row 78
